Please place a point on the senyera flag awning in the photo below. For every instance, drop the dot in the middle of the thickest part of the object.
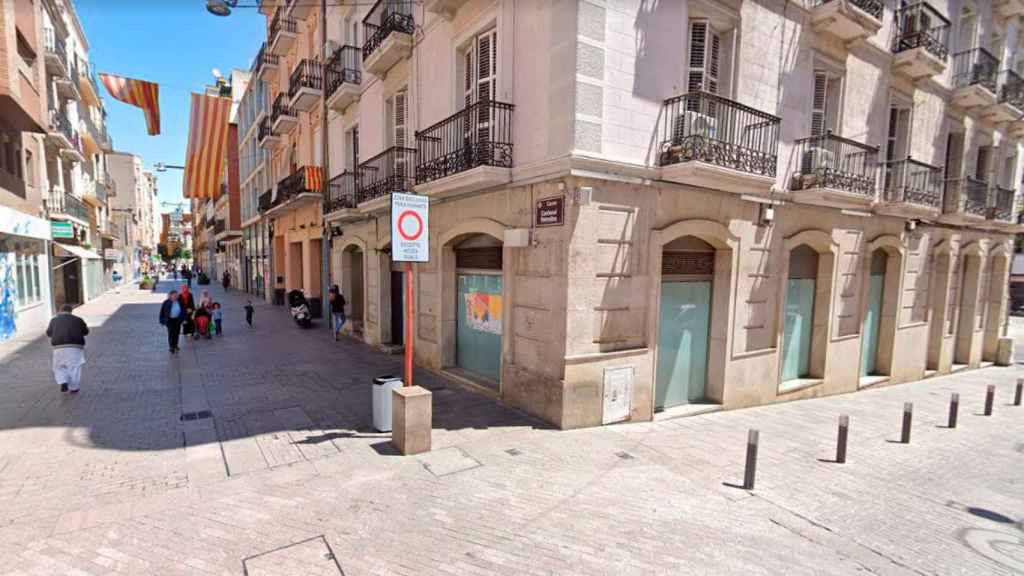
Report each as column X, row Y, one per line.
column 145, row 95
column 207, row 146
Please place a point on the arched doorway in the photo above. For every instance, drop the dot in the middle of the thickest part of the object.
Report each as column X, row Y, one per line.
column 353, row 285
column 479, row 307
column 798, row 330
column 684, row 322
column 940, row 320
column 996, row 303
column 970, row 286
column 881, row 306
column 873, row 314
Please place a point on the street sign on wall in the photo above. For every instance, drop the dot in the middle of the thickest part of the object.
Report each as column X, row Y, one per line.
column 409, row 225
column 61, row 229
column 550, row 211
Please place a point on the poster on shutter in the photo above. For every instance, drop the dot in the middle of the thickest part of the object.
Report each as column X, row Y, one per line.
column 483, row 312
column 409, row 228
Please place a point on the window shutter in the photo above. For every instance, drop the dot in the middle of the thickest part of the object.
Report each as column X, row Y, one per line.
column 705, row 57
column 818, row 103
column 981, row 170
column 833, row 92
column 467, row 85
column 400, row 117
column 716, row 49
column 902, row 133
column 485, row 73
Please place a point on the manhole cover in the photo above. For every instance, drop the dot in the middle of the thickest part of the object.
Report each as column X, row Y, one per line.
column 448, row 461
column 312, row 557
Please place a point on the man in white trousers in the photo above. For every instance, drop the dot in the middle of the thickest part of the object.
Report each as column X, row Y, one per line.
column 67, row 334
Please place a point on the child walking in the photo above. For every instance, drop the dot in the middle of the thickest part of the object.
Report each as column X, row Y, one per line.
column 218, row 318
column 249, row 311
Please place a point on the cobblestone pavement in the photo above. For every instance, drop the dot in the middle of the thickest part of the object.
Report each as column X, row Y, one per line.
column 286, row 477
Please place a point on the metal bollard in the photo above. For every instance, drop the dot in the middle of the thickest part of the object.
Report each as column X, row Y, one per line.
column 908, row 416
column 844, row 432
column 751, row 469
column 1019, row 393
column 954, row 408
column 990, row 396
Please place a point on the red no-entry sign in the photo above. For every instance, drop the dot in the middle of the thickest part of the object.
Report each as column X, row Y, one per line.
column 409, row 221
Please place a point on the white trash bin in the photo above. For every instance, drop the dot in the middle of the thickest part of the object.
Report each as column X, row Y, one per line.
column 382, row 387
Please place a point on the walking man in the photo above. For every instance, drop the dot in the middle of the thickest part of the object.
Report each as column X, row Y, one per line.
column 172, row 314
column 337, row 310
column 67, row 334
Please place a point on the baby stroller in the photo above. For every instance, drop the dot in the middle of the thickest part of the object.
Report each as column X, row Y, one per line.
column 203, row 324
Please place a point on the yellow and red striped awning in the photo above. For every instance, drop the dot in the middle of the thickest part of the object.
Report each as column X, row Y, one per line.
column 207, row 146
column 145, row 95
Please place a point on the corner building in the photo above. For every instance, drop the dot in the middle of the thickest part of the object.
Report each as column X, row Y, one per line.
column 642, row 208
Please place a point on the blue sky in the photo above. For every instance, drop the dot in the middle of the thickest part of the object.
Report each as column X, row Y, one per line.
column 177, row 44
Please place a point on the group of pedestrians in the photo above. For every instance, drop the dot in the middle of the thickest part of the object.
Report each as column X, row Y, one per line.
column 181, row 314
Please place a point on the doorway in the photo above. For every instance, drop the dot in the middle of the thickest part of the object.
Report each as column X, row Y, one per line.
column 684, row 322
column 799, row 323
column 968, row 303
column 996, row 313
column 479, row 307
column 397, row 308
column 873, row 314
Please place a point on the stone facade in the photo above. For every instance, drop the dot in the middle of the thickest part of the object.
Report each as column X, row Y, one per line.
column 908, row 280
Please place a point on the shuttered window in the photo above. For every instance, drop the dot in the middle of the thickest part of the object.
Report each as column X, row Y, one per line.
column 483, row 258
column 705, row 57
column 400, row 111
column 479, row 82
column 825, row 102
column 899, row 132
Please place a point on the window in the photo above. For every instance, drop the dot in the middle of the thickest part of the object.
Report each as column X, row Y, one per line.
column 352, row 148
column 826, row 102
column 396, row 120
column 1009, row 166
column 479, row 68
column 982, row 167
column 30, row 168
column 26, row 271
column 705, row 57
column 898, row 134
column 967, row 32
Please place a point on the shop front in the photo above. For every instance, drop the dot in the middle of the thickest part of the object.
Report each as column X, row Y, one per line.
column 26, row 301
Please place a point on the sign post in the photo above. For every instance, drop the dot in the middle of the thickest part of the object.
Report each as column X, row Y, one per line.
column 409, row 243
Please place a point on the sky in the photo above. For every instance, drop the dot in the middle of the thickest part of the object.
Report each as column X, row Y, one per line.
column 177, row 44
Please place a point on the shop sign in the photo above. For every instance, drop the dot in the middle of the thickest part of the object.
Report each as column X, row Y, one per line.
column 550, row 211
column 62, row 229
column 20, row 224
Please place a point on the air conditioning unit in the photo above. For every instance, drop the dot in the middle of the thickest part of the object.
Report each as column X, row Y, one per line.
column 815, row 158
column 691, row 123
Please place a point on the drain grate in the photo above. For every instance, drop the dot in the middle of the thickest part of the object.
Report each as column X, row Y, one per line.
column 201, row 415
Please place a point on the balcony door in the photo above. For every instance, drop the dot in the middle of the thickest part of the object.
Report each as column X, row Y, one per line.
column 967, row 32
column 897, row 138
column 479, row 84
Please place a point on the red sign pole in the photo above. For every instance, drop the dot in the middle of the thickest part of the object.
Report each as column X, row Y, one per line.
column 408, row 323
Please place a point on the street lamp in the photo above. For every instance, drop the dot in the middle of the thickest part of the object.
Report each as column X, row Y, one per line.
column 220, row 7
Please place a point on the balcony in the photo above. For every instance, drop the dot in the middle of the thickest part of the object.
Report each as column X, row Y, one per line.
column 219, row 226
column 344, row 77
column 67, row 86
column 974, row 78
column 306, row 85
column 713, row 142
column 296, row 190
column 62, row 135
column 283, row 33
column 911, row 189
column 1001, row 212
column 921, row 41
column 64, row 206
column 264, row 66
column 836, row 172
column 848, row 20
column 343, row 197
column 56, row 53
column 266, row 201
column 1008, row 8
column 299, row 9
column 265, row 135
column 390, row 171
column 468, row 151
column 282, row 116
column 388, row 30
column 1009, row 105
column 87, row 84
column 444, row 8
column 94, row 193
column 966, row 201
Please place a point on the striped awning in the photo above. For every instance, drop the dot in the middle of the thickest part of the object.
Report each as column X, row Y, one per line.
column 145, row 95
column 207, row 146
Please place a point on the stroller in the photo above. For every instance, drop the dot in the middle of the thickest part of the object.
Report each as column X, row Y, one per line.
column 299, row 308
column 202, row 320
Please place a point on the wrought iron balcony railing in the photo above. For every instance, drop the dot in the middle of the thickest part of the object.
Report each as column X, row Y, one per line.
column 830, row 161
column 64, row 203
column 1011, row 89
column 343, row 192
column 344, row 67
column 911, row 182
column 385, row 17
column 307, row 74
column 263, row 58
column 280, row 23
column 266, row 201
column 1002, row 204
column 281, row 107
column 305, row 180
column 54, row 45
column 872, row 7
column 478, row 135
column 59, row 123
column 704, row 127
column 264, row 130
column 966, row 196
column 975, row 66
column 390, row 171
column 219, row 226
column 921, row 26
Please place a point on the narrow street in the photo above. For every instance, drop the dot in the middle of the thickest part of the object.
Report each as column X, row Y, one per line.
column 253, row 454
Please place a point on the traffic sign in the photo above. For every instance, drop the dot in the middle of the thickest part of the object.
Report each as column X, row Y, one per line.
column 409, row 228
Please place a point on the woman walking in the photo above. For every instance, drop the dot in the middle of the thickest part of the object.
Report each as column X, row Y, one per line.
column 189, row 305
